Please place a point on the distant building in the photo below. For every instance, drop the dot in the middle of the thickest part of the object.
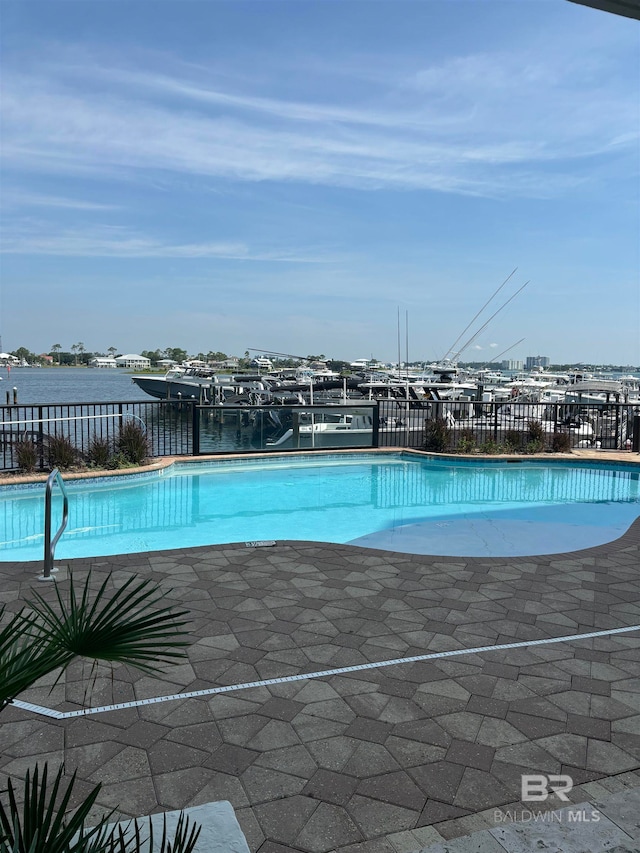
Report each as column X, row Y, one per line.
column 138, row 362
column 512, row 364
column 166, row 363
column 536, row 361
column 100, row 361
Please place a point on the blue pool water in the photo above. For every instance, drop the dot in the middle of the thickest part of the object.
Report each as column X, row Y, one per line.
column 394, row 502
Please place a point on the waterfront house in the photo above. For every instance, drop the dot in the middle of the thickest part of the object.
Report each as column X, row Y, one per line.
column 100, row 361
column 137, row 362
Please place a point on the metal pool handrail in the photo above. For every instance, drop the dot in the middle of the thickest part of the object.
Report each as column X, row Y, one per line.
column 49, row 545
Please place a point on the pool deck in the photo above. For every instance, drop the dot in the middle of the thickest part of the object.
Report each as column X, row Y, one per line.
column 390, row 759
column 382, row 760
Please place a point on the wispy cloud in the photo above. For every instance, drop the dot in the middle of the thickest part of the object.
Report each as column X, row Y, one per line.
column 132, row 137
column 483, row 124
column 15, row 199
column 121, row 242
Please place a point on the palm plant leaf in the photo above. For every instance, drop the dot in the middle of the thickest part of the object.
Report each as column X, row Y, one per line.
column 25, row 655
column 127, row 837
column 43, row 824
column 125, row 626
column 184, row 840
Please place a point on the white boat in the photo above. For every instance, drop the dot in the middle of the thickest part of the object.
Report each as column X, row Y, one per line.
column 327, row 429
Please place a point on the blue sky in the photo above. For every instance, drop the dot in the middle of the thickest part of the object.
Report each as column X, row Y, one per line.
column 292, row 176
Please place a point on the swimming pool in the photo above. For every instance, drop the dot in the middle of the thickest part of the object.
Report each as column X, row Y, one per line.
column 398, row 501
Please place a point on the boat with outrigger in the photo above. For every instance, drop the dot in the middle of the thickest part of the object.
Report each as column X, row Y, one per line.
column 210, row 388
column 487, row 405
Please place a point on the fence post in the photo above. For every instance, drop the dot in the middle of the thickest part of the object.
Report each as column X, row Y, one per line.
column 375, row 439
column 636, row 434
column 195, row 429
column 40, row 439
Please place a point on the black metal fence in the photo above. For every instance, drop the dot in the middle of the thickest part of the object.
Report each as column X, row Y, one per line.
column 467, row 426
column 185, row 428
column 168, row 426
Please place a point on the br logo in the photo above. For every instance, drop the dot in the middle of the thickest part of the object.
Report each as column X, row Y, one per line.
column 536, row 787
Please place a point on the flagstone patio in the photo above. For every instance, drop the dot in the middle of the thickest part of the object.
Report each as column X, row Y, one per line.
column 380, row 760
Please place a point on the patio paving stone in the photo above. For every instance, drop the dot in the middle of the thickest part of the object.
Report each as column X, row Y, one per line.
column 264, row 784
column 229, row 758
column 535, row 727
column 397, row 788
column 359, row 762
column 478, row 790
column 381, row 818
column 470, row 754
column 494, row 732
column 328, row 825
column 589, row 726
column 332, row 787
column 438, row 780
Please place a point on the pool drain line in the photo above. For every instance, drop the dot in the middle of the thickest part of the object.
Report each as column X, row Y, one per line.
column 304, row 676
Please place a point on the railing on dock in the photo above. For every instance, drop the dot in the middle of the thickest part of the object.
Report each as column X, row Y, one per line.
column 185, row 428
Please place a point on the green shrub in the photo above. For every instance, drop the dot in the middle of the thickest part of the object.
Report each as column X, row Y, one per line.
column 535, row 446
column 466, row 441
column 535, row 437
column 437, row 435
column 535, row 431
column 26, row 454
column 132, row 442
column 119, row 460
column 61, row 452
column 99, row 452
column 490, row 447
column 513, row 441
column 561, row 442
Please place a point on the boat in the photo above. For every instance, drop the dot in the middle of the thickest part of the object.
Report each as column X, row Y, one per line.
column 325, row 429
column 206, row 387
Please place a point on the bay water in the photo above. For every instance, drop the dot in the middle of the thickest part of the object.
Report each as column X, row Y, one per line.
column 41, row 385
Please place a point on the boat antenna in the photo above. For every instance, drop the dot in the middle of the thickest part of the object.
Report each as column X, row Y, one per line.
column 406, row 335
column 468, row 326
column 484, row 326
column 399, row 355
column 505, row 351
column 271, row 352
